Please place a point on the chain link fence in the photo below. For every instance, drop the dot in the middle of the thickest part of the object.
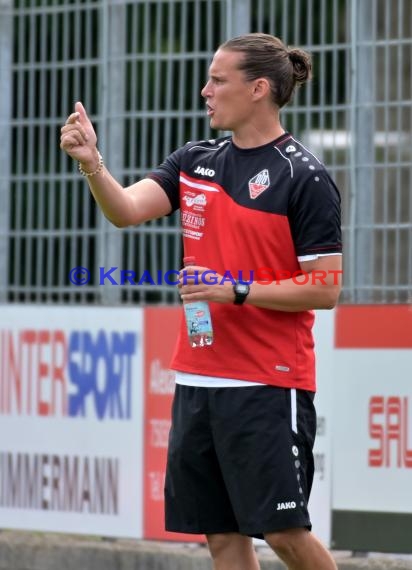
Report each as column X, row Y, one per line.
column 138, row 66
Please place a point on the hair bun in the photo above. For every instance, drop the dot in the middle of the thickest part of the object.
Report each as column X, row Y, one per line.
column 302, row 64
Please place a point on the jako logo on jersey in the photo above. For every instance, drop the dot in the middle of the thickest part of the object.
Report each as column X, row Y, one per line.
column 284, row 506
column 259, row 183
column 205, row 171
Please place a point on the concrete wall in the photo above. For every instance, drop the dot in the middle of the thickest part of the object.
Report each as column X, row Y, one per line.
column 36, row 551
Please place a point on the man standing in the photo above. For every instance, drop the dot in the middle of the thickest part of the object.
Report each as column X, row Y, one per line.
column 240, row 460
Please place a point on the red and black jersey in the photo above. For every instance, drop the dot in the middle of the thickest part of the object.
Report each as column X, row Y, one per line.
column 241, row 210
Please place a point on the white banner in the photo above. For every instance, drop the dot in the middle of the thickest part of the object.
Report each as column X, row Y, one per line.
column 372, row 466
column 320, row 503
column 71, row 419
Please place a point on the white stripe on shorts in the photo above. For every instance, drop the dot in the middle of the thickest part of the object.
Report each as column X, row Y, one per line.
column 293, row 410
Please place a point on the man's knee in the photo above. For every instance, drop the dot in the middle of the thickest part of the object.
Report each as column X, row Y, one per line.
column 287, row 543
column 218, row 543
column 224, row 542
column 232, row 550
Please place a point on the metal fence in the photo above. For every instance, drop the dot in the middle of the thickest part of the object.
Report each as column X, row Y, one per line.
column 138, row 66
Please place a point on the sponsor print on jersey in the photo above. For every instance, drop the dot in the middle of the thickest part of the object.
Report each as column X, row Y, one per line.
column 195, row 194
column 194, row 199
column 192, row 217
column 192, row 225
column 259, row 183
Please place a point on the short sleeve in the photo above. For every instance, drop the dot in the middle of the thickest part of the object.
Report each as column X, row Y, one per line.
column 315, row 215
column 167, row 176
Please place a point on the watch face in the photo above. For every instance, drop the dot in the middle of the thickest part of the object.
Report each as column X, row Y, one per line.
column 242, row 288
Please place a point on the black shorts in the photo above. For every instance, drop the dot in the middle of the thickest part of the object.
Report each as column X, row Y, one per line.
column 239, row 460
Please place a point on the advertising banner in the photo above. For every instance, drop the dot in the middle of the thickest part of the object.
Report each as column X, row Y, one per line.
column 161, row 327
column 71, row 419
column 372, row 440
column 320, row 503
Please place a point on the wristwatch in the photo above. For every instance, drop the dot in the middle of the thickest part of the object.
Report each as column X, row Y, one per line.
column 241, row 291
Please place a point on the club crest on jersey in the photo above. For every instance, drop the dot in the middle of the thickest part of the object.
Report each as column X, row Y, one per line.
column 259, row 183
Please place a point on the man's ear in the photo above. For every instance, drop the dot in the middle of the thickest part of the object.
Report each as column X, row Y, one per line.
column 261, row 88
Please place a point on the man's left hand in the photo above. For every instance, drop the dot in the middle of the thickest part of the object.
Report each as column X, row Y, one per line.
column 203, row 284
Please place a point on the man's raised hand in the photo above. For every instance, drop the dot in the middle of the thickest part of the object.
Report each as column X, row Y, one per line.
column 78, row 138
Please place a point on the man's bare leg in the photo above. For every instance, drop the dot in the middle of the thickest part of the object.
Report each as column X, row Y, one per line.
column 300, row 550
column 232, row 551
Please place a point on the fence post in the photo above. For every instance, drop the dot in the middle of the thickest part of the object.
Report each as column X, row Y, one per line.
column 238, row 18
column 362, row 152
column 6, row 52
column 112, row 126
